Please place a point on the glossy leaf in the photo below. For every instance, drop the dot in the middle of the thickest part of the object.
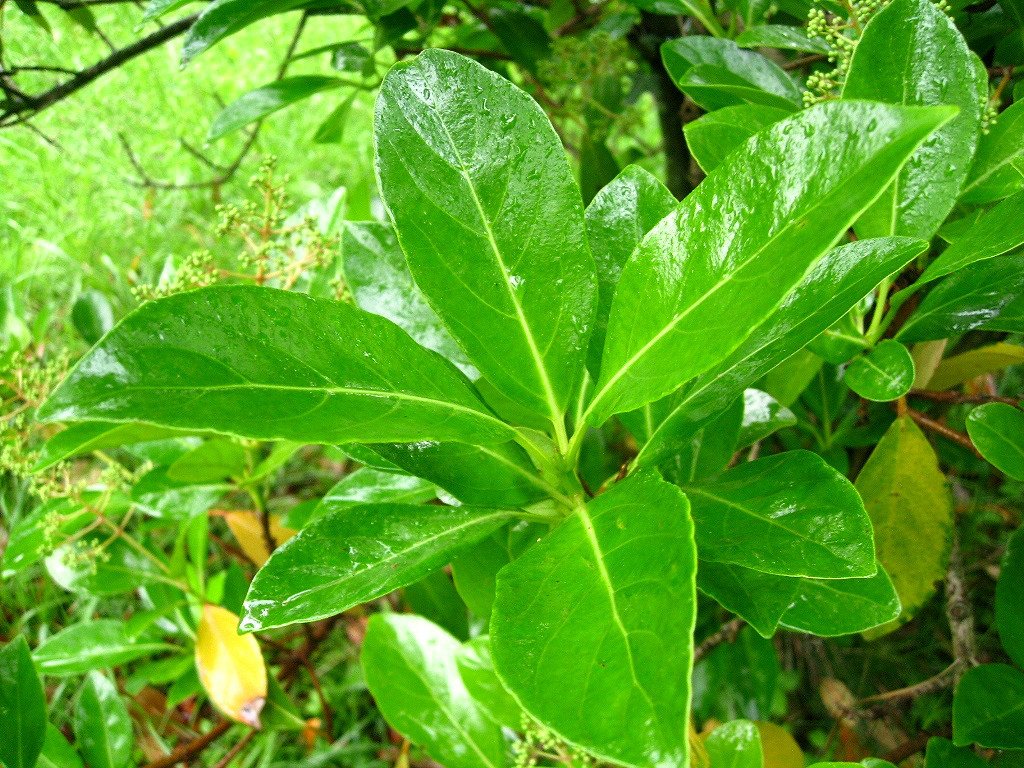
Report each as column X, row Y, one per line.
column 905, row 495
column 966, row 299
column 492, row 228
column 836, row 284
column 411, row 669
column 247, row 528
column 709, row 451
column 222, row 18
column 789, row 173
column 736, row 744
column 265, row 364
column 592, row 626
column 911, row 53
column 1000, row 229
column 789, row 514
column 97, row 644
column 477, row 671
column 997, row 430
column 230, row 666
column 372, row 486
column 885, row 373
column 212, row 461
column 711, row 137
column 103, row 729
column 57, row 753
column 355, row 554
column 267, row 99
column 942, row 753
column 781, row 36
column 376, row 273
column 759, row 598
column 617, row 219
column 961, row 368
column 716, row 73
column 95, row 436
column 831, row 607
column 762, row 416
column 1010, row 599
column 22, row 706
column 993, row 175
column 988, row 707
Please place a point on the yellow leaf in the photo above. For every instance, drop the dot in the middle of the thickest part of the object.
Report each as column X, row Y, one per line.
column 230, row 666
column 247, row 528
column 927, row 356
column 960, row 368
column 780, row 750
column 906, row 498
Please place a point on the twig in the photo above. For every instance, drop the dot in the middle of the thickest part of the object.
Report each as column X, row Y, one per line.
column 941, row 429
column 960, row 613
column 797, row 63
column 190, row 749
column 912, row 746
column 959, row 397
column 233, row 752
column 726, row 634
column 944, row 679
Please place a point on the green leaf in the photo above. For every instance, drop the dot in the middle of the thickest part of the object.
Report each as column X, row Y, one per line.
column 942, row 753
column 493, row 229
column 475, row 571
column 993, row 175
column 781, row 36
column 735, row 745
column 1000, row 229
column 911, row 53
column 885, row 373
column 760, row 598
column 713, row 136
column 997, row 430
column 905, row 495
column 222, row 18
column 617, row 219
column 57, row 753
column 372, row 486
column 789, row 514
column 716, row 73
column 1010, row 599
column 988, row 707
column 958, row 369
column 477, row 671
column 376, row 273
column 103, row 729
column 97, row 644
column 387, row 546
column 832, row 607
column 764, row 217
column 474, row 474
column 522, row 35
column 763, row 415
column 434, row 597
column 837, row 283
column 122, row 568
column 332, row 129
column 966, row 299
column 411, row 669
column 91, row 313
column 157, row 8
column 266, row 364
column 212, row 461
column 708, row 452
column 267, row 99
column 95, row 436
column 22, row 706
column 592, row 626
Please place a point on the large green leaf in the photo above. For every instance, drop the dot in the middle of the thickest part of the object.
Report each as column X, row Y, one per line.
column 988, row 707
column 832, row 607
column 376, row 273
column 967, row 299
column 222, row 18
column 617, row 219
column 267, row 99
column 836, row 284
column 993, row 175
column 22, row 707
column 713, row 136
column 1010, row 599
column 95, row 436
column 491, row 220
column 477, row 670
column 354, row 554
column 905, row 495
column 411, row 669
column 997, row 430
column 911, row 53
column 735, row 745
column 103, row 729
column 789, row 514
column 999, row 230
column 758, row 597
column 592, row 627
column 97, row 644
column 738, row 245
column 270, row 364
column 374, row 486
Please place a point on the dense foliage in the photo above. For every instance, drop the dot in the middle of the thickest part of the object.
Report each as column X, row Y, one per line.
column 547, row 462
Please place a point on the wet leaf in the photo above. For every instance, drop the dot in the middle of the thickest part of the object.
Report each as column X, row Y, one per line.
column 230, row 666
column 22, row 706
column 988, row 707
column 885, row 373
column 997, row 430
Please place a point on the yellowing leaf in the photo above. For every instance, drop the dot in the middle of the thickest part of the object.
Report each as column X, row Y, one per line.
column 906, row 498
column 780, row 750
column 247, row 527
column 969, row 365
column 230, row 666
column 927, row 357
